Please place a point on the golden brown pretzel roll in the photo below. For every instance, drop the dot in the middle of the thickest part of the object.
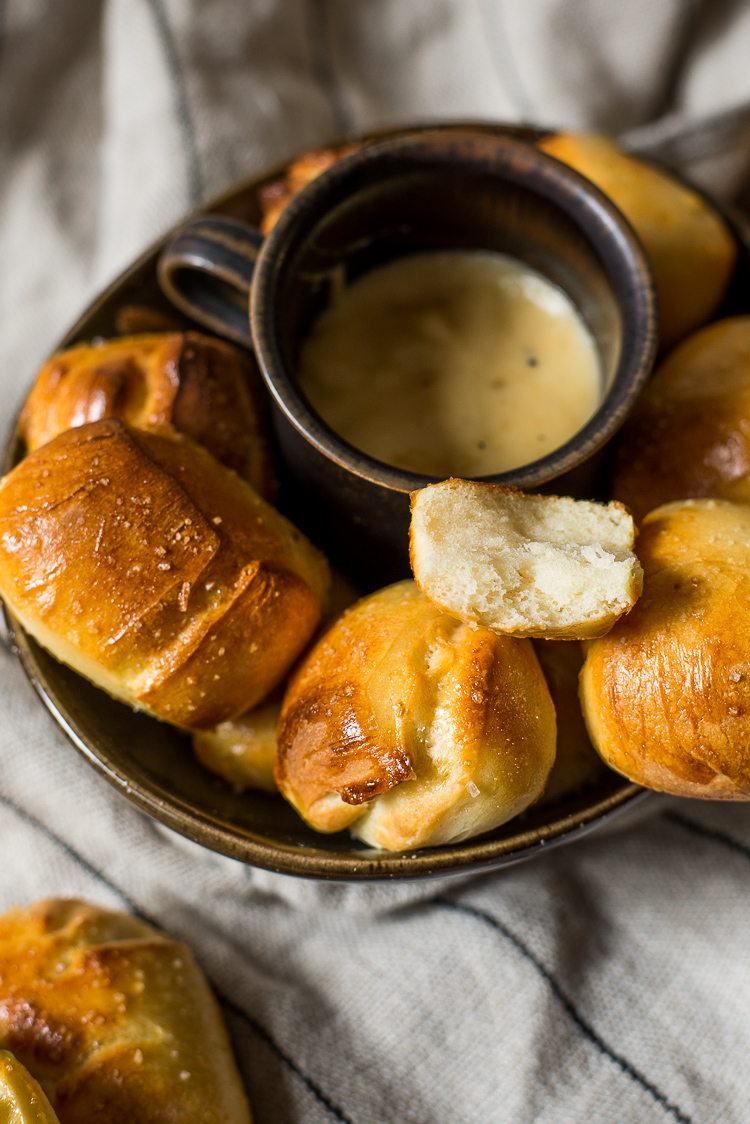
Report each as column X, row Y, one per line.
column 137, row 559
column 204, row 387
column 691, row 250
column 242, row 750
column 689, row 435
column 273, row 197
column 576, row 761
column 113, row 1019
column 413, row 728
column 22, row 1099
column 142, row 319
column 666, row 695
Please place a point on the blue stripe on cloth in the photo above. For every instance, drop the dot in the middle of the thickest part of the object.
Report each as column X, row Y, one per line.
column 707, row 833
column 319, row 39
column 586, row 1029
column 179, row 94
column 227, row 1003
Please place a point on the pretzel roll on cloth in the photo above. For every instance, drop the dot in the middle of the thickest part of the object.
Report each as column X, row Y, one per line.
column 137, row 559
column 666, row 694
column 413, row 728
column 113, row 1019
column 204, row 387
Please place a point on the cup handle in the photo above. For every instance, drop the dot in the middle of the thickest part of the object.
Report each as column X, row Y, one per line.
column 206, row 271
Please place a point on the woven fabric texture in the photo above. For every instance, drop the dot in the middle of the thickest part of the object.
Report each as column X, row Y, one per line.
column 605, row 983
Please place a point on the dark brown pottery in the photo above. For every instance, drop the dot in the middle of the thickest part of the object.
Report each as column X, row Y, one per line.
column 152, row 764
column 435, row 189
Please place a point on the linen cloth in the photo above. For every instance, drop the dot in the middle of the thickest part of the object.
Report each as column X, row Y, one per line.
column 607, row 982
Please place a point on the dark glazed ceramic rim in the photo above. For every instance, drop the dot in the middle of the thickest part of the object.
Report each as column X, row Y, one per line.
column 174, row 812
column 480, row 854
column 512, row 161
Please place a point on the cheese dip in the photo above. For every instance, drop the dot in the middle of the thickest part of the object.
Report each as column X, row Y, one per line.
column 452, row 363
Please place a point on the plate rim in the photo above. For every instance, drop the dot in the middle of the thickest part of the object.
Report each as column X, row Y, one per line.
column 477, row 855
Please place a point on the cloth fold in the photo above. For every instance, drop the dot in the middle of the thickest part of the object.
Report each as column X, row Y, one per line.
column 604, row 982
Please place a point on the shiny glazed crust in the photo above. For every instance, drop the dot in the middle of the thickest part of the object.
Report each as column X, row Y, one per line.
column 691, row 249
column 113, row 1019
column 137, row 559
column 22, row 1099
column 689, row 435
column 413, row 728
column 666, row 695
column 204, row 387
column 243, row 750
column 274, row 197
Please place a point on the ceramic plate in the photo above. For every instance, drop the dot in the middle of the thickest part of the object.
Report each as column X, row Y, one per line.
column 152, row 764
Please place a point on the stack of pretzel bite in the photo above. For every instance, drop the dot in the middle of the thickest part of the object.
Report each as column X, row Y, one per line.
column 139, row 545
column 535, row 646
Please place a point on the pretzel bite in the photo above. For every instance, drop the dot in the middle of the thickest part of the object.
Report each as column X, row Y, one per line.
column 576, row 761
column 137, row 559
column 204, row 387
column 691, row 249
column 113, row 1019
column 525, row 565
column 273, row 197
column 412, row 728
column 689, row 435
column 22, row 1099
column 242, row 750
column 666, row 694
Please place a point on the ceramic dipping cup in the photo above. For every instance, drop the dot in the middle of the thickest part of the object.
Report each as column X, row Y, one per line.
column 428, row 190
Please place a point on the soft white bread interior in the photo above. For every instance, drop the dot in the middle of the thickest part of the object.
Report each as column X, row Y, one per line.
column 412, row 728
column 144, row 564
column 113, row 1019
column 525, row 565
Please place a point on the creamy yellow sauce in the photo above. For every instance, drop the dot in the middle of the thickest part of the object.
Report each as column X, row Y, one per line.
column 452, row 363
